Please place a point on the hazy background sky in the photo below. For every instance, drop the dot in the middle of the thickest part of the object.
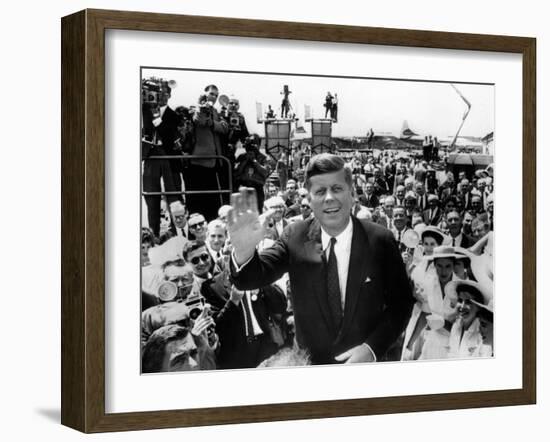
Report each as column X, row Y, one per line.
column 429, row 108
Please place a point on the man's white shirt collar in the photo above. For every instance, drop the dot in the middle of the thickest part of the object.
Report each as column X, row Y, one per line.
column 342, row 238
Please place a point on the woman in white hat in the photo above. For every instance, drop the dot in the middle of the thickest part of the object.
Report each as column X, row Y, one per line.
column 422, row 273
column 472, row 331
column 440, row 318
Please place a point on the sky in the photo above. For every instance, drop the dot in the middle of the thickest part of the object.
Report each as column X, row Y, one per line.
column 380, row 104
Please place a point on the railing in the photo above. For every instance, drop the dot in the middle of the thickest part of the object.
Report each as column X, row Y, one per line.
column 193, row 192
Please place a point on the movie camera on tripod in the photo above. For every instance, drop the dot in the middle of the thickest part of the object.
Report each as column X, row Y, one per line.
column 154, row 89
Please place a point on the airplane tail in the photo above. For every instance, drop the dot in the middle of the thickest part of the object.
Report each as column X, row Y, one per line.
column 406, row 131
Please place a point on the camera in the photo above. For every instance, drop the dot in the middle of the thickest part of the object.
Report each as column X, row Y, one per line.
column 252, row 142
column 150, row 91
column 195, row 302
column 234, row 121
column 153, row 88
column 169, row 291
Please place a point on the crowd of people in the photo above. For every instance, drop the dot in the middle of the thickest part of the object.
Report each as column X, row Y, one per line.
column 369, row 258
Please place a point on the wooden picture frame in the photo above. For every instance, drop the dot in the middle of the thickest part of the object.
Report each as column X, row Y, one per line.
column 83, row 219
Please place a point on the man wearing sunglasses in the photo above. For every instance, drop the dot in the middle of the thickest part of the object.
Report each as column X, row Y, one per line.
column 350, row 292
column 197, row 226
column 241, row 317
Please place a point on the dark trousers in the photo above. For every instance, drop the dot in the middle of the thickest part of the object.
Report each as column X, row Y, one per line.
column 249, row 353
column 199, row 178
column 153, row 171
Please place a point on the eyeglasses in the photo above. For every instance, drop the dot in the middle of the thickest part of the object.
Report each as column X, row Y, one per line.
column 197, row 225
column 204, row 257
column 305, row 206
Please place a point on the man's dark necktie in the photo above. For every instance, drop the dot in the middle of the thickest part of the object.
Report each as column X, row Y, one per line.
column 454, row 241
column 333, row 286
column 249, row 329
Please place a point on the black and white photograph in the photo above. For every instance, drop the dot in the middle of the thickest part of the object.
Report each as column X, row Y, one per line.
column 292, row 220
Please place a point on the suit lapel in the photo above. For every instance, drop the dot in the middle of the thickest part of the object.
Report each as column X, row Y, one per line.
column 314, row 249
column 360, row 265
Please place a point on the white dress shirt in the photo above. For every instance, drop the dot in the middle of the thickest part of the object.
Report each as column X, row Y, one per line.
column 256, row 329
column 280, row 227
column 342, row 250
column 457, row 240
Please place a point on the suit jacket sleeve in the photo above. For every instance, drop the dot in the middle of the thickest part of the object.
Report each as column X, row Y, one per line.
column 398, row 299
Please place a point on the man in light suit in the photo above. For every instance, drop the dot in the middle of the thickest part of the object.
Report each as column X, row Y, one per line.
column 350, row 294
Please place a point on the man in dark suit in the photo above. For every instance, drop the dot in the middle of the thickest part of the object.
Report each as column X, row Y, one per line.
column 349, row 289
column 369, row 198
column 432, row 215
column 179, row 214
column 457, row 236
column 243, row 319
column 248, row 341
column 160, row 133
column 277, row 208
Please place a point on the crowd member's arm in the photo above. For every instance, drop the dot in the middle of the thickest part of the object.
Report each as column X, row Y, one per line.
column 220, row 125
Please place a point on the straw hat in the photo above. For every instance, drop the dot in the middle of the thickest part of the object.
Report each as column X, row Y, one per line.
column 443, row 252
column 452, row 288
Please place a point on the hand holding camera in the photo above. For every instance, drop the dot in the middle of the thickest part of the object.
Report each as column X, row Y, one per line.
column 203, row 322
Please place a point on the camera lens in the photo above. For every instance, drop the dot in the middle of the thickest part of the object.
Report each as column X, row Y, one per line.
column 194, row 313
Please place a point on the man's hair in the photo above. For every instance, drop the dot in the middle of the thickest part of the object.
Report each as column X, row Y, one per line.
column 153, row 351
column 176, row 262
column 454, row 211
column 274, row 201
column 327, row 163
column 288, row 357
column 216, row 224
column 210, row 86
column 191, row 246
column 450, row 199
column 400, row 207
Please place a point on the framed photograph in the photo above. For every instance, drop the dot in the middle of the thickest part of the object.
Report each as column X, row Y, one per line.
column 267, row 221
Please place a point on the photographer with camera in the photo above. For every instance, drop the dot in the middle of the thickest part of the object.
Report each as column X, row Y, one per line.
column 237, row 128
column 250, row 168
column 210, row 132
column 160, row 137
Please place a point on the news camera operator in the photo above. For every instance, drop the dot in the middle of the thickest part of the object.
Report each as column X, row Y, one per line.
column 210, row 131
column 160, row 137
column 237, row 127
column 250, row 168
